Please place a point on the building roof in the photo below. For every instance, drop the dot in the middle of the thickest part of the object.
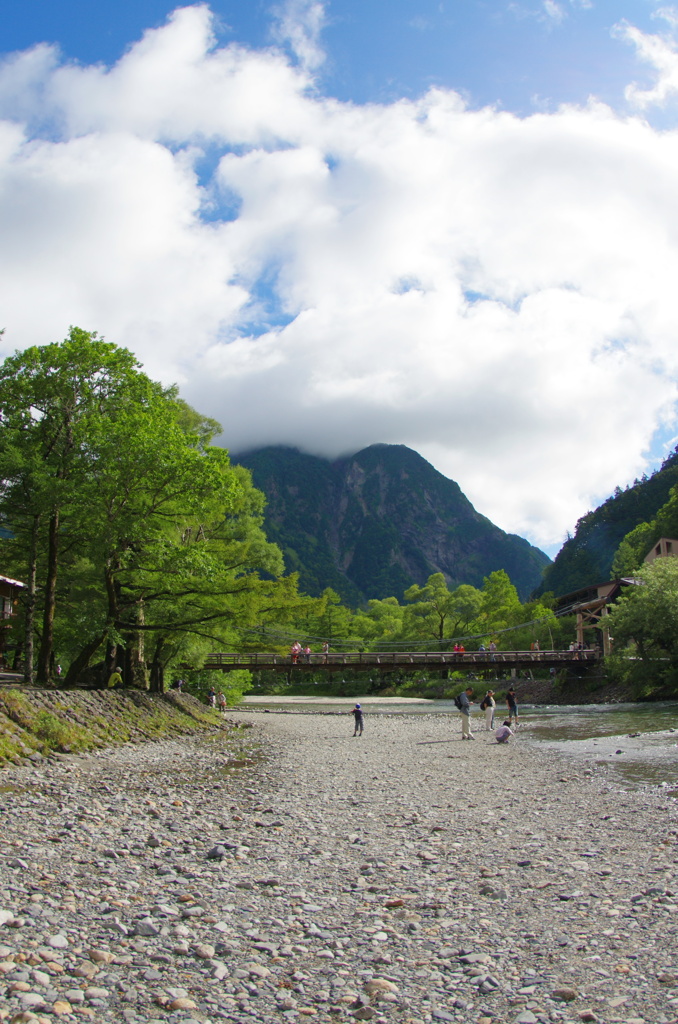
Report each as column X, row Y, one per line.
column 597, row 591
column 14, row 583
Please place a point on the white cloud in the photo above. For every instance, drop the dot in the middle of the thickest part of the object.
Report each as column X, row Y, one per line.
column 300, row 24
column 495, row 291
column 661, row 53
column 553, row 11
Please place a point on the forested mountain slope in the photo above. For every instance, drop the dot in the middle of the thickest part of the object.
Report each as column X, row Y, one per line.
column 586, row 558
column 372, row 524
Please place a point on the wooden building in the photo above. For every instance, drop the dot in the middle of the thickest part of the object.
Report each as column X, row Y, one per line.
column 9, row 596
column 591, row 606
column 664, row 546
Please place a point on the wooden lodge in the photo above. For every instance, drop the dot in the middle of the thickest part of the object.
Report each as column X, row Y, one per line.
column 9, row 596
column 592, row 604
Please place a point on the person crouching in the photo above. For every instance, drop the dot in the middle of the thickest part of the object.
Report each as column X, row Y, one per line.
column 504, row 733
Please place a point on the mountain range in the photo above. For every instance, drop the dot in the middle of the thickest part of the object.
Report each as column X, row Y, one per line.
column 372, row 524
column 586, row 557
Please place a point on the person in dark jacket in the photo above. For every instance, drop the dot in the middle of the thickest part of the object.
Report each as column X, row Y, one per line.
column 357, row 713
column 465, row 698
column 512, row 705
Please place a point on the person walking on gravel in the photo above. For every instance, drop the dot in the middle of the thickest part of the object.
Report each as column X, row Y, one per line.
column 465, row 701
column 512, row 705
column 357, row 713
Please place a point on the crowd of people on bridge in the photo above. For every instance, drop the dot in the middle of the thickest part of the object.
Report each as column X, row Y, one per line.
column 302, row 655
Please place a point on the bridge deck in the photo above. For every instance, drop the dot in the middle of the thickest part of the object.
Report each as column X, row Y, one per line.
column 402, row 661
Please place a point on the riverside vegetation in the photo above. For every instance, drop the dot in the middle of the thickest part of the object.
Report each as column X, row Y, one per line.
column 35, row 724
column 143, row 546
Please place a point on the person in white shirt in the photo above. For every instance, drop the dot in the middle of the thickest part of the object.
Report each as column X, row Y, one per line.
column 504, row 732
column 488, row 705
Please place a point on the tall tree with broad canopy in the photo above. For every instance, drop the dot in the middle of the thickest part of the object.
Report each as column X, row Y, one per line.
column 437, row 613
column 147, row 541
column 47, row 396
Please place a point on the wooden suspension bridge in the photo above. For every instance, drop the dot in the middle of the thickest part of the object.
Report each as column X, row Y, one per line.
column 406, row 661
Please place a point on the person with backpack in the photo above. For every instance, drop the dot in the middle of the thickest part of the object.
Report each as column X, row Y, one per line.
column 463, row 701
column 488, row 705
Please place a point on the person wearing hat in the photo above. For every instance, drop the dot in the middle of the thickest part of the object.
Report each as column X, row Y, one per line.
column 357, row 713
column 488, row 705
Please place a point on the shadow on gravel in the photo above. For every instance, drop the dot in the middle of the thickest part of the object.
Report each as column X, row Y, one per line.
column 429, row 743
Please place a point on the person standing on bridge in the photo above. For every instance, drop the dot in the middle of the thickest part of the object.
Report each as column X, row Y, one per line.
column 357, row 713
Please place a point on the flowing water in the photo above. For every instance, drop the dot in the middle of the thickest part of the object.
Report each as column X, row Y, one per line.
column 637, row 743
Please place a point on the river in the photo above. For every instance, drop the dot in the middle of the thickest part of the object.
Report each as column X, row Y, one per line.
column 636, row 743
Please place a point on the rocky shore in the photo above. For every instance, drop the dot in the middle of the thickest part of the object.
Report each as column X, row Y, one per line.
column 292, row 871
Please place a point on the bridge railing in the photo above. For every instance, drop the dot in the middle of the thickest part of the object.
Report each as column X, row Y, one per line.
column 355, row 659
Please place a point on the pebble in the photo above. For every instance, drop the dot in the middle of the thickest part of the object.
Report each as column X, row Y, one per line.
column 333, row 882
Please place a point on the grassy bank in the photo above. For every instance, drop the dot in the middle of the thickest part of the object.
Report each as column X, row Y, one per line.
column 37, row 723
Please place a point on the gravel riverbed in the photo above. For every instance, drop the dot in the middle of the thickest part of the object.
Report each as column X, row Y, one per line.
column 292, row 871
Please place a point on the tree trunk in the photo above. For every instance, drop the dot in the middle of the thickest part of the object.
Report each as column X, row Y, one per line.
column 18, row 654
column 47, row 643
column 136, row 664
column 114, row 656
column 30, row 601
column 80, row 663
column 158, row 669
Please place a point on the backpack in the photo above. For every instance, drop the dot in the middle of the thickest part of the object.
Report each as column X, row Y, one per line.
column 483, row 704
column 457, row 701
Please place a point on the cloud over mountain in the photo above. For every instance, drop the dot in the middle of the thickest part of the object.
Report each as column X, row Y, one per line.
column 496, row 292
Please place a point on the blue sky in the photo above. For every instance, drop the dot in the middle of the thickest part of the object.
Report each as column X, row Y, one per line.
column 447, row 225
column 515, row 54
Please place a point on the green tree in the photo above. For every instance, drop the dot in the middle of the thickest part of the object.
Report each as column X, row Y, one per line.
column 327, row 619
column 157, row 538
column 644, row 623
column 437, row 613
column 381, row 623
column 501, row 605
column 632, row 550
column 46, row 398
